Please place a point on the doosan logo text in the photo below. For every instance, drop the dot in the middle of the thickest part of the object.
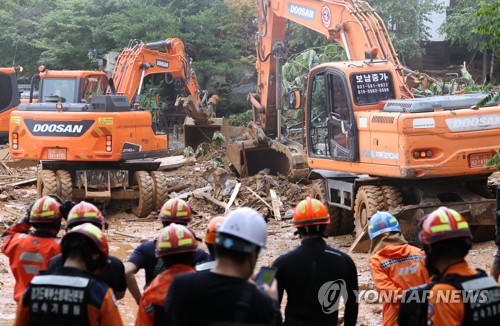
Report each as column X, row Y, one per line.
column 61, row 128
column 301, row 11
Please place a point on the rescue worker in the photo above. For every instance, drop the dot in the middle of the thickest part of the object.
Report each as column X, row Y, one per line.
column 210, row 236
column 396, row 266
column 495, row 267
column 303, row 272
column 173, row 211
column 176, row 246
column 211, row 105
column 71, row 296
column 29, row 254
column 447, row 239
column 114, row 275
column 224, row 294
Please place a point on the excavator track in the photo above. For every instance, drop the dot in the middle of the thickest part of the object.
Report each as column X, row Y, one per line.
column 143, row 205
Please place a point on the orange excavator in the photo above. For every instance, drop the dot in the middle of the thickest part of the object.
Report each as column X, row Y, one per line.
column 9, row 98
column 369, row 145
column 91, row 142
column 139, row 60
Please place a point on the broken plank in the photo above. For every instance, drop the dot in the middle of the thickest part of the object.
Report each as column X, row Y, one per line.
column 210, row 199
column 21, row 182
column 276, row 204
column 124, row 234
column 171, row 162
column 362, row 242
column 235, row 192
column 259, row 197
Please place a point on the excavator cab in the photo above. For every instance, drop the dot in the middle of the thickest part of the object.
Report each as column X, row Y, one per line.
column 9, row 98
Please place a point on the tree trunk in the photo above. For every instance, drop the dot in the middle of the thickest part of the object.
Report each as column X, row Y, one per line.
column 492, row 64
column 485, row 64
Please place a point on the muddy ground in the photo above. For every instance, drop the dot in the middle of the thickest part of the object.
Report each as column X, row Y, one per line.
column 127, row 231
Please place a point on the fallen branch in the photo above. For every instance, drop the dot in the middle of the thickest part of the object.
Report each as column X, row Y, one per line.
column 259, row 197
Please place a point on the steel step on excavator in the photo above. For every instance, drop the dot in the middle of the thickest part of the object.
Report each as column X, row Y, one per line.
column 9, row 98
column 369, row 145
column 93, row 139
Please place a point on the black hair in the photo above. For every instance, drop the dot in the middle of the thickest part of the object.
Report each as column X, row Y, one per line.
column 236, row 256
column 78, row 246
column 318, row 230
column 47, row 227
column 186, row 258
column 211, row 249
column 456, row 248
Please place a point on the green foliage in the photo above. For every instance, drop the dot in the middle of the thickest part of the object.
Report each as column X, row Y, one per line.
column 494, row 161
column 218, row 138
column 406, row 23
column 240, row 119
column 489, row 24
column 461, row 25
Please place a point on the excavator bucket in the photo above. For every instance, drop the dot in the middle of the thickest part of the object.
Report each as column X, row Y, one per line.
column 203, row 132
column 249, row 157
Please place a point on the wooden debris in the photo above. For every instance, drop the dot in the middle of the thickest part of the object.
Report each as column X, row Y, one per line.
column 19, row 183
column 209, row 198
column 259, row 197
column 235, row 192
column 275, row 201
column 190, row 193
column 3, row 197
column 124, row 234
column 171, row 162
column 362, row 242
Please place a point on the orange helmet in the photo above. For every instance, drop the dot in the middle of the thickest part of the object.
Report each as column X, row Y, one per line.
column 45, row 210
column 212, row 228
column 175, row 211
column 442, row 224
column 310, row 212
column 84, row 212
column 93, row 233
column 175, row 239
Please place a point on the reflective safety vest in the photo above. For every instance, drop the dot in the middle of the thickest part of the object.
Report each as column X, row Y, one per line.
column 58, row 300
column 479, row 293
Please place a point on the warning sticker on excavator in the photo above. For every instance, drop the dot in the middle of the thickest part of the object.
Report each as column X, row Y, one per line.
column 107, row 121
column 15, row 119
column 326, row 16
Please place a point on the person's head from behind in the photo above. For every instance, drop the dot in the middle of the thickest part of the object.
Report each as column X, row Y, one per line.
column 176, row 244
column 86, row 243
column 446, row 237
column 211, row 233
column 45, row 215
column 382, row 223
column 240, row 238
column 175, row 211
column 85, row 212
column 310, row 217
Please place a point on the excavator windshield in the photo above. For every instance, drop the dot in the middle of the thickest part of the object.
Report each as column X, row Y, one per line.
column 59, row 90
column 9, row 96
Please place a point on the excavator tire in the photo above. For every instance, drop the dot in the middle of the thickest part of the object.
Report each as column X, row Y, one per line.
column 369, row 200
column 143, row 205
column 341, row 221
column 46, row 183
column 64, row 185
column 160, row 189
column 392, row 197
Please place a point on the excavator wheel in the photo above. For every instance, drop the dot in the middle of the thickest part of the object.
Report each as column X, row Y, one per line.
column 46, row 183
column 160, row 189
column 64, row 185
column 369, row 200
column 393, row 198
column 341, row 220
column 143, row 205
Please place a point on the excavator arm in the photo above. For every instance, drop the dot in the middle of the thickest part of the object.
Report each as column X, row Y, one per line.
column 353, row 24
column 140, row 59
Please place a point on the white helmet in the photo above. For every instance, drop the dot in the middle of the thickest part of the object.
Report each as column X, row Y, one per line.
column 243, row 223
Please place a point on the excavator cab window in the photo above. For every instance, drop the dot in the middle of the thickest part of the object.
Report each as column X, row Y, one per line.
column 9, row 97
column 93, row 85
column 59, row 90
column 331, row 118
